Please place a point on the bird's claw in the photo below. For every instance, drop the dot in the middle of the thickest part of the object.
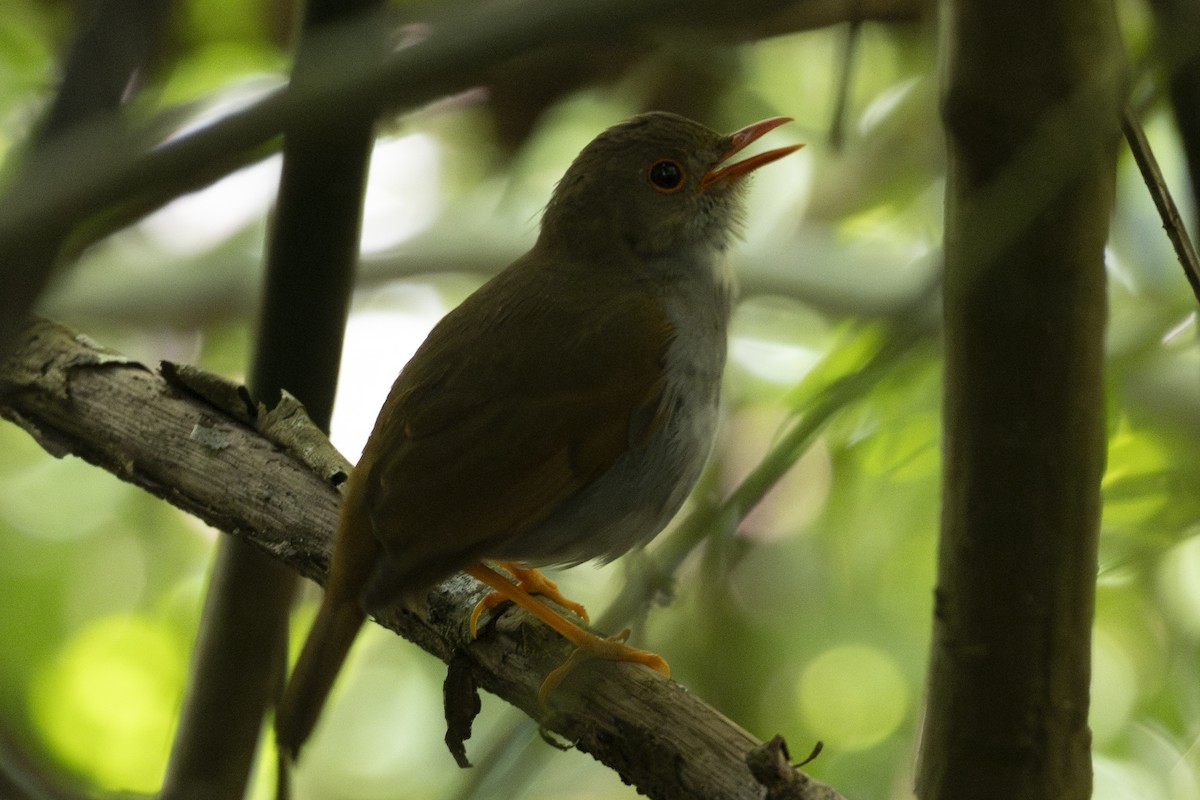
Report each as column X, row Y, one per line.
column 612, row 648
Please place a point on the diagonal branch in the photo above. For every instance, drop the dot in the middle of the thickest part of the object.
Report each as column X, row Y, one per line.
column 149, row 428
column 107, row 173
column 1160, row 193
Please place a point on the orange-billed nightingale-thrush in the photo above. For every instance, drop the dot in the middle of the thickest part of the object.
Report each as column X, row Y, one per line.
column 562, row 412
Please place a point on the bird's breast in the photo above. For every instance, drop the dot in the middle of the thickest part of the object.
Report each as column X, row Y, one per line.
column 639, row 494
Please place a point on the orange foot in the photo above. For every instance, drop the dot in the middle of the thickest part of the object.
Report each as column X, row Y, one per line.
column 588, row 645
column 594, row 648
column 529, row 581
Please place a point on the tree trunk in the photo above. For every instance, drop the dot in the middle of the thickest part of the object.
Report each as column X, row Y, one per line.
column 1031, row 110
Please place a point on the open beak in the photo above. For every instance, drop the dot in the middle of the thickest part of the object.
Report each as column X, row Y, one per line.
column 738, row 140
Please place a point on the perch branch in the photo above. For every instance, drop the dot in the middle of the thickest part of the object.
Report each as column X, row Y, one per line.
column 162, row 430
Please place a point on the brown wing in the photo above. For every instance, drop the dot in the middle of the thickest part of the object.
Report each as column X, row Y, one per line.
column 474, row 446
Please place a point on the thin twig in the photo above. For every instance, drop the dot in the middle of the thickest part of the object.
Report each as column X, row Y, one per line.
column 1172, row 222
column 849, row 60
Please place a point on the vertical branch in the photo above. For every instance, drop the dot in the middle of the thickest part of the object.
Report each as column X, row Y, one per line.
column 1031, row 110
column 242, row 644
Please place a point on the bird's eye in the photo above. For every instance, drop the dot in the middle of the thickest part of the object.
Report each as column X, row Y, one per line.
column 666, row 175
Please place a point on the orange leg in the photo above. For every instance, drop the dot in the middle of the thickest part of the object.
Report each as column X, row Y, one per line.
column 589, row 645
column 531, row 581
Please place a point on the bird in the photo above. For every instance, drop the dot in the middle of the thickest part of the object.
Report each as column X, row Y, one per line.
column 560, row 414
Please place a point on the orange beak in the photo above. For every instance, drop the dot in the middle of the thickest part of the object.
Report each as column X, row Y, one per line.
column 738, row 140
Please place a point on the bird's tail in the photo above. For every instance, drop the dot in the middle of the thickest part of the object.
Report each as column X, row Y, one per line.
column 325, row 649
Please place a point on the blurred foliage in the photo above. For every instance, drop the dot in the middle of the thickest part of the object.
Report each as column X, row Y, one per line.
column 809, row 618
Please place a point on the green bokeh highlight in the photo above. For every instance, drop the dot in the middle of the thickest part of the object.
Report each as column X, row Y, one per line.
column 106, row 702
column 852, row 696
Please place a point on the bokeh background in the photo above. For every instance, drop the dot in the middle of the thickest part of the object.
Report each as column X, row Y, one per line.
column 809, row 617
